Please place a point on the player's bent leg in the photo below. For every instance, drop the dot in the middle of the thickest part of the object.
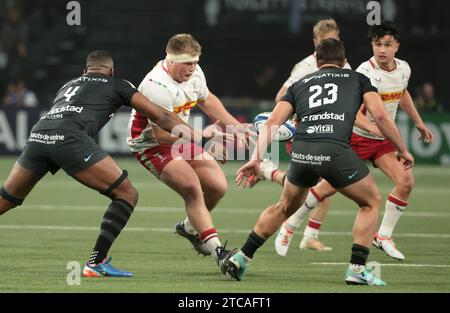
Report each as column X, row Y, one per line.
column 267, row 224
column 212, row 180
column 106, row 177
column 198, row 227
column 365, row 193
column 403, row 180
column 17, row 186
column 272, row 217
column 320, row 204
column 395, row 203
column 287, row 230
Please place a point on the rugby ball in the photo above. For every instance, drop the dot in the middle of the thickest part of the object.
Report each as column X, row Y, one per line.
column 285, row 132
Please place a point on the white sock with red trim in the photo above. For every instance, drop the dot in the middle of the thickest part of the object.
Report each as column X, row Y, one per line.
column 211, row 240
column 312, row 200
column 312, row 230
column 393, row 210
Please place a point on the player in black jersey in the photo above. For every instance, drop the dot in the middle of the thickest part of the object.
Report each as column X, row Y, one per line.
column 326, row 103
column 63, row 139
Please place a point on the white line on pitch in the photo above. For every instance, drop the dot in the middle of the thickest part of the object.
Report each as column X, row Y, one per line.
column 389, row 264
column 170, row 230
column 263, row 187
column 47, row 207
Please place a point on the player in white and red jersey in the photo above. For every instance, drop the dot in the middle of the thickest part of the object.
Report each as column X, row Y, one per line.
column 390, row 75
column 178, row 84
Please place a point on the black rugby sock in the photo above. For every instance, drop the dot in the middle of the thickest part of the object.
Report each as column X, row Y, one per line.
column 252, row 244
column 114, row 220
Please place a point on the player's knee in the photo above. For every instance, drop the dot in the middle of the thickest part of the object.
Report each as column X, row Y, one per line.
column 374, row 202
column 127, row 192
column 133, row 195
column 191, row 191
column 219, row 189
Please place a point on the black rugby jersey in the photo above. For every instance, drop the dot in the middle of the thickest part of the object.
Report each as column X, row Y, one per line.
column 87, row 103
column 326, row 103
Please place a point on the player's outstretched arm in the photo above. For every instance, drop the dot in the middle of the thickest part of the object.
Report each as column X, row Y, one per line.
column 283, row 110
column 374, row 104
column 214, row 108
column 407, row 104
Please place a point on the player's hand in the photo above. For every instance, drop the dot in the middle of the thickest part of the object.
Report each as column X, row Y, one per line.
column 217, row 145
column 425, row 133
column 251, row 168
column 244, row 133
column 251, row 181
column 408, row 159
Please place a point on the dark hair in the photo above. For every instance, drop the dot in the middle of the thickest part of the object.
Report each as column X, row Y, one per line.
column 330, row 51
column 386, row 28
column 99, row 58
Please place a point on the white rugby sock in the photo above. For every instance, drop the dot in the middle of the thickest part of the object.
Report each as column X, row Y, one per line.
column 310, row 203
column 393, row 210
column 211, row 240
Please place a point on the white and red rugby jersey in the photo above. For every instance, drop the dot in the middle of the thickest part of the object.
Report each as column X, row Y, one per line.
column 164, row 91
column 391, row 87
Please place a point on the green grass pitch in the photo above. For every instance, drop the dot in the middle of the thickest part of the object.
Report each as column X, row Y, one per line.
column 59, row 223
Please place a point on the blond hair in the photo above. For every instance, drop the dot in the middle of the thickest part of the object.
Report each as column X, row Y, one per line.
column 183, row 44
column 324, row 27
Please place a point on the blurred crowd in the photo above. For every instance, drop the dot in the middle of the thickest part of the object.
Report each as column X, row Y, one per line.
column 13, row 61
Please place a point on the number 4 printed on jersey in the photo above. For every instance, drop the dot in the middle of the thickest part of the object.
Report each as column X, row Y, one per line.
column 317, row 89
column 71, row 92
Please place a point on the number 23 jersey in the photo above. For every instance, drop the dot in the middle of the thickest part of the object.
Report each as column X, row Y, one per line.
column 326, row 103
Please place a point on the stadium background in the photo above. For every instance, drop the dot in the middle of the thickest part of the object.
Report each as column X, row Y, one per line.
column 249, row 48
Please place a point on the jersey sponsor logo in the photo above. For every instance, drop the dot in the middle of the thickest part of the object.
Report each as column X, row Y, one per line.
column 320, row 129
column 45, row 138
column 89, row 79
column 310, row 158
column 187, row 106
column 66, row 108
column 324, row 116
column 392, row 96
column 326, row 75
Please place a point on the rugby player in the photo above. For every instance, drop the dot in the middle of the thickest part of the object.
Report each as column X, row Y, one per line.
column 321, row 148
column 323, row 29
column 177, row 84
column 390, row 75
column 64, row 139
